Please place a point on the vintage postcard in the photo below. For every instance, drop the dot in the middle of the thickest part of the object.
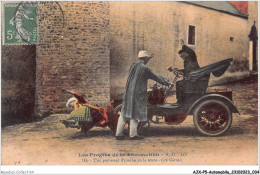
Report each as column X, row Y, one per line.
column 129, row 83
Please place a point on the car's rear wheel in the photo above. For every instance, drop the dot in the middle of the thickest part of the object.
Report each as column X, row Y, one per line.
column 212, row 117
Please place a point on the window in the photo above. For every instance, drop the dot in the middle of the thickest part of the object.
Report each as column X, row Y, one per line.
column 191, row 39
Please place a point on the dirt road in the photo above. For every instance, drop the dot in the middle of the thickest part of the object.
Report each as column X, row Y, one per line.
column 48, row 142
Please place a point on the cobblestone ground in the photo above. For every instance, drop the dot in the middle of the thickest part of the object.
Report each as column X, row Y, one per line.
column 48, row 142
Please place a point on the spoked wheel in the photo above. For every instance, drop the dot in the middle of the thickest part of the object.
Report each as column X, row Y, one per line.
column 212, row 117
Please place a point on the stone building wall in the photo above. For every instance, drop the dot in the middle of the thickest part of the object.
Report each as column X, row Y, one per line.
column 219, row 36
column 158, row 27
column 136, row 26
column 72, row 53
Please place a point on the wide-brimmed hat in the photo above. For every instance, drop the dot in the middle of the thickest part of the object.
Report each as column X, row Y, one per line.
column 143, row 54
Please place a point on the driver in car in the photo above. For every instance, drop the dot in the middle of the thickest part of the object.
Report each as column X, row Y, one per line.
column 190, row 64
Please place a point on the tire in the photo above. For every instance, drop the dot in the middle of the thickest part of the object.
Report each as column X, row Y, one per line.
column 212, row 117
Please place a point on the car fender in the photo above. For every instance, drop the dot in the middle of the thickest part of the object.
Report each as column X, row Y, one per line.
column 222, row 98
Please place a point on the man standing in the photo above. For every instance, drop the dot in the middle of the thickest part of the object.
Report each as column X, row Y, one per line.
column 190, row 64
column 134, row 106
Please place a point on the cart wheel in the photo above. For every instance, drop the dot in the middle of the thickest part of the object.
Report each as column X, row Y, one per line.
column 212, row 117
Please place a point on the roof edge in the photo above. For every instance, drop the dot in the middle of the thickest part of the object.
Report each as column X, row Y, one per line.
column 237, row 15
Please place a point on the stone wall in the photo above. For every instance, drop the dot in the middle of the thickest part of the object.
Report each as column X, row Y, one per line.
column 138, row 26
column 72, row 53
column 158, row 26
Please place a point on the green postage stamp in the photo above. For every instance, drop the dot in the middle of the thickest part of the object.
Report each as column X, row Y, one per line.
column 20, row 23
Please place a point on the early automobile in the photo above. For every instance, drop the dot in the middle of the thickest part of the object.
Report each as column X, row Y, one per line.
column 211, row 109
